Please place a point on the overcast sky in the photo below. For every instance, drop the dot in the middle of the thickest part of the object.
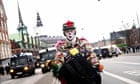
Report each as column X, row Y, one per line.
column 93, row 19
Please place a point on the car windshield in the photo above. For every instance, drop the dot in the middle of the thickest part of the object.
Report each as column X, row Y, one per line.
column 18, row 61
column 44, row 57
column 47, row 56
column 97, row 51
column 105, row 50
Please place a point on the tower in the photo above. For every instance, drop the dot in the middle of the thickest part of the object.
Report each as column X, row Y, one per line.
column 23, row 33
column 38, row 29
column 39, row 25
column 39, row 22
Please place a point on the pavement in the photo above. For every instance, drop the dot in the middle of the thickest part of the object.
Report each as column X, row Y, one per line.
column 4, row 77
column 131, row 54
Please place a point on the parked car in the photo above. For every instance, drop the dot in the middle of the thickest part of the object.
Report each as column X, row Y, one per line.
column 110, row 50
column 98, row 53
column 105, row 52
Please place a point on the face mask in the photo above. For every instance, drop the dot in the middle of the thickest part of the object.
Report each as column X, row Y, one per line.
column 70, row 34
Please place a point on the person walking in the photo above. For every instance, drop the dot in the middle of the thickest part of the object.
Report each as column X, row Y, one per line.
column 1, row 69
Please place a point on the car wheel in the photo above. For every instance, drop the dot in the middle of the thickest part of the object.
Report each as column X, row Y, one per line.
column 43, row 71
column 33, row 72
column 12, row 76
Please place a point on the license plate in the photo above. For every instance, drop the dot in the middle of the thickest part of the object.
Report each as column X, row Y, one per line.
column 19, row 73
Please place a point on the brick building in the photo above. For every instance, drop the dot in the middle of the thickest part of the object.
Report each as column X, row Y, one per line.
column 134, row 37
column 5, row 46
column 130, row 37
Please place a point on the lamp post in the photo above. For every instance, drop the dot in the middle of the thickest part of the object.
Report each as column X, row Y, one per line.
column 104, row 42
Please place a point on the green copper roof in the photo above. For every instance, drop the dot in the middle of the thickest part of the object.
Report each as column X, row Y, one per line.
column 15, row 36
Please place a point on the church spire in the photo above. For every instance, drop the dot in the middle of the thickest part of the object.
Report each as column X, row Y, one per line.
column 20, row 17
column 22, row 29
column 39, row 22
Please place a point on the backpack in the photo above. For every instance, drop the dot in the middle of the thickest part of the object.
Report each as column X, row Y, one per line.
column 77, row 70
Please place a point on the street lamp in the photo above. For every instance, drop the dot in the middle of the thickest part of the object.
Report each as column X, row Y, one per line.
column 104, row 42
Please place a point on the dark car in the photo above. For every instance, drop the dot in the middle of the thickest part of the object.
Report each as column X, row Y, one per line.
column 37, row 62
column 98, row 53
column 45, row 58
column 21, row 64
column 105, row 52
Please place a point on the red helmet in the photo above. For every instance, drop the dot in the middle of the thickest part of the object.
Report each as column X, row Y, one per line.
column 68, row 25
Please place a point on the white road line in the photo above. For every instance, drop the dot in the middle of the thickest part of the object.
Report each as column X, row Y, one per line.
column 123, row 62
column 129, row 81
column 129, row 63
column 133, row 72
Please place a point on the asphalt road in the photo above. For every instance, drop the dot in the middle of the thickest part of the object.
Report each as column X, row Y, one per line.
column 124, row 69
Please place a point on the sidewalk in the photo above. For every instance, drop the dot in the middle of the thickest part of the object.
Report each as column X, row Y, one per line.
column 131, row 54
column 4, row 77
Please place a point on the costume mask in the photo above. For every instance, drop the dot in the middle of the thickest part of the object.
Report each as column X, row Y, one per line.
column 70, row 34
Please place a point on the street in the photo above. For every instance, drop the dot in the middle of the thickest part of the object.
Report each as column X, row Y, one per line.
column 117, row 70
column 121, row 70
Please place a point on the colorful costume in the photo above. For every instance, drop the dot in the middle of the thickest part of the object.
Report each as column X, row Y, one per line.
column 64, row 47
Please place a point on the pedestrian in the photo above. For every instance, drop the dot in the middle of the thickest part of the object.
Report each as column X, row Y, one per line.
column 1, row 69
column 81, row 49
column 7, row 68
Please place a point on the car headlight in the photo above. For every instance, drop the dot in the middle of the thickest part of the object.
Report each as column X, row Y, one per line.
column 48, row 61
column 26, row 68
column 11, row 70
column 42, row 65
column 37, row 64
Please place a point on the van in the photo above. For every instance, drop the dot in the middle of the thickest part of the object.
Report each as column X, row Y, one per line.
column 21, row 64
column 46, row 56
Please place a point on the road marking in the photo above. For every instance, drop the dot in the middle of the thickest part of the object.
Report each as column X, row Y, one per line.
column 129, row 81
column 133, row 72
column 134, row 63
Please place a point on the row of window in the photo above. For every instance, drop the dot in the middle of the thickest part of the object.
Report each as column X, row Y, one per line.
column 4, row 36
column 5, row 51
column 5, row 48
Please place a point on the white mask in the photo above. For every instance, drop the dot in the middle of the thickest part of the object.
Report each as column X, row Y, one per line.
column 70, row 34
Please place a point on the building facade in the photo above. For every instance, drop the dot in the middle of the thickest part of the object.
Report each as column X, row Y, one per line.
column 134, row 37
column 5, row 46
column 129, row 37
column 50, row 41
column 21, row 41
